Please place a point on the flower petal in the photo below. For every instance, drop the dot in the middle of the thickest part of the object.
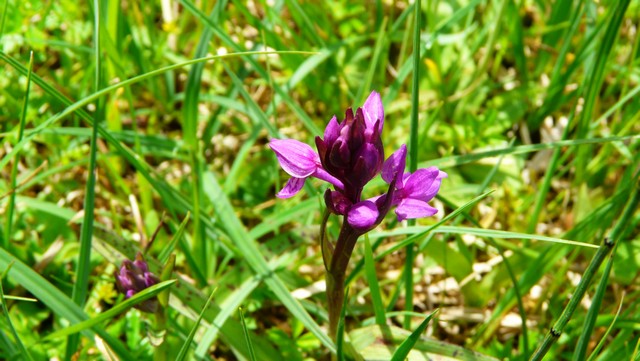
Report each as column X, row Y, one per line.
column 293, row 186
column 413, row 208
column 332, row 131
column 395, row 165
column 374, row 111
column 363, row 215
column 296, row 158
column 369, row 162
column 423, row 184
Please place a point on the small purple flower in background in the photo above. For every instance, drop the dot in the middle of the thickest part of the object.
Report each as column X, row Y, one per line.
column 134, row 277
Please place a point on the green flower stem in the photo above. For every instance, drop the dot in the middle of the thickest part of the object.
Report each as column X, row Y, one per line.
column 336, row 274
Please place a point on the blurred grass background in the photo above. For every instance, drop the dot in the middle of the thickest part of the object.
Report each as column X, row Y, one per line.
column 536, row 100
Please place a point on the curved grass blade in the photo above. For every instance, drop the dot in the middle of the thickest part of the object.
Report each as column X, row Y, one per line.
column 185, row 346
column 83, row 267
column 447, row 162
column 340, row 352
column 580, row 352
column 414, row 238
column 114, row 311
column 405, row 347
column 77, row 106
column 370, row 271
column 57, row 301
column 25, row 354
column 14, row 168
column 168, row 249
column 247, row 247
column 604, row 337
column 252, row 355
column 227, row 307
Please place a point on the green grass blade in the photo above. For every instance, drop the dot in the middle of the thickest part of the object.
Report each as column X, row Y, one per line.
column 340, row 351
column 306, row 120
column 201, row 248
column 413, row 153
column 365, row 88
column 595, row 80
column 247, row 247
column 14, row 169
column 25, row 354
column 580, row 352
column 452, row 161
column 187, row 343
column 56, row 300
column 555, row 332
column 451, row 215
column 605, row 336
column 372, row 279
column 77, row 106
column 168, row 249
column 114, row 311
column 480, row 232
column 405, row 347
column 227, row 308
column 252, row 355
column 83, row 267
column 4, row 17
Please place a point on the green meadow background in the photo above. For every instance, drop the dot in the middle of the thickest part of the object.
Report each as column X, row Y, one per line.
column 131, row 126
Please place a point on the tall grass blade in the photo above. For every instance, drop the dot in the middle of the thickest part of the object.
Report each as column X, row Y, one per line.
column 605, row 336
column 25, row 354
column 187, row 343
column 372, row 279
column 77, row 106
column 595, row 83
column 340, row 344
column 56, row 300
column 252, row 354
column 83, row 267
column 405, row 347
column 114, row 311
column 247, row 247
column 580, row 352
column 14, row 169
column 168, row 249
column 413, row 154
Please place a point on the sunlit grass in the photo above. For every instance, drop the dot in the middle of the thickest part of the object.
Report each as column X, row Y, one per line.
column 530, row 107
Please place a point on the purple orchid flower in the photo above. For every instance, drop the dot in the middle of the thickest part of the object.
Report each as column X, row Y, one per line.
column 413, row 191
column 410, row 193
column 349, row 156
column 352, row 149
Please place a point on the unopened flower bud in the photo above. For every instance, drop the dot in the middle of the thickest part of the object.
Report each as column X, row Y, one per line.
column 134, row 277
